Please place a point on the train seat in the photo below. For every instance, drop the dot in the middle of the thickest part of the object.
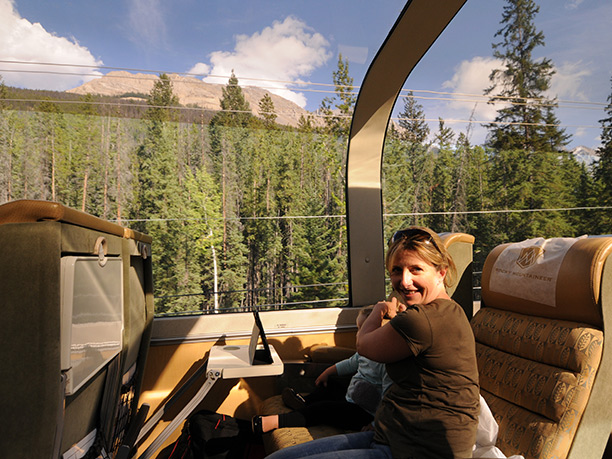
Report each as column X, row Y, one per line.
column 77, row 304
column 544, row 370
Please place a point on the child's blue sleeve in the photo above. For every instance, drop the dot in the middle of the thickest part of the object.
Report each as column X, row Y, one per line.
column 348, row 366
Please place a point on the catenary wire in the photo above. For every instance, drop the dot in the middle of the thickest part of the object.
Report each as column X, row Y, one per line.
column 300, row 83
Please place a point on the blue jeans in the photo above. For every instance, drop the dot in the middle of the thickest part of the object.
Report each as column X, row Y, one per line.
column 359, row 445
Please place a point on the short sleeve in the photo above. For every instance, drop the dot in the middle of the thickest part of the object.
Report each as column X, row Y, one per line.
column 348, row 366
column 413, row 325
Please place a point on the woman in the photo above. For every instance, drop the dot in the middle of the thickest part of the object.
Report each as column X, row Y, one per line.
column 431, row 409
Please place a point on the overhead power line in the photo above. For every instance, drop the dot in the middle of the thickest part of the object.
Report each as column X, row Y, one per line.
column 500, row 211
column 281, row 112
column 304, row 217
column 302, row 85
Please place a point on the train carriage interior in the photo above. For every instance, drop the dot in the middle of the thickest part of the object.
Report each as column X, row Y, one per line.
column 91, row 367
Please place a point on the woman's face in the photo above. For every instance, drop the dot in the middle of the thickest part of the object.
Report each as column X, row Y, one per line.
column 417, row 281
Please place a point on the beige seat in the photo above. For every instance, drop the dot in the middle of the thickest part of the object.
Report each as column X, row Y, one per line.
column 540, row 334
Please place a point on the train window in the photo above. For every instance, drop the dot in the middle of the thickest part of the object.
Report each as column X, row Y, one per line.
column 222, row 131
column 219, row 130
column 506, row 137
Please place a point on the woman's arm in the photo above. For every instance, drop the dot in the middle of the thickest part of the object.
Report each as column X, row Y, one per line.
column 379, row 342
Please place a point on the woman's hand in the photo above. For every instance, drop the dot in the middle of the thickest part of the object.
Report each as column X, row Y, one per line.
column 379, row 341
column 389, row 309
column 368, row 427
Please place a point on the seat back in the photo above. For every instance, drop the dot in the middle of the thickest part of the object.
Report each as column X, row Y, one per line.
column 460, row 246
column 47, row 412
column 540, row 332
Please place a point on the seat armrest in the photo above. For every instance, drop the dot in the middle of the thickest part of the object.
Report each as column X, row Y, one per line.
column 330, row 354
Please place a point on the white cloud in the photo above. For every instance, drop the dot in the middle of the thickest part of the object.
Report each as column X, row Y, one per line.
column 566, row 83
column 285, row 52
column 581, row 133
column 20, row 40
column 147, row 27
column 200, row 69
column 470, row 80
column 357, row 54
column 573, row 4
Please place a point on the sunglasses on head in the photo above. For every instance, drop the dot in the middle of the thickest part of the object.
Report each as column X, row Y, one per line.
column 413, row 234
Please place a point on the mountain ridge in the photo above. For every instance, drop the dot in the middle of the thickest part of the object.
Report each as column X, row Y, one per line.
column 585, row 155
column 190, row 92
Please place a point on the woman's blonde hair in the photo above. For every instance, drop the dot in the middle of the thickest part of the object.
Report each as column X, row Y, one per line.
column 427, row 245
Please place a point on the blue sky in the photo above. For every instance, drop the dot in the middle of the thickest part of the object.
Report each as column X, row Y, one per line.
column 288, row 41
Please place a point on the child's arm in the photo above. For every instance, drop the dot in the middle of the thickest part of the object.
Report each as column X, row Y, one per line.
column 348, row 366
column 323, row 377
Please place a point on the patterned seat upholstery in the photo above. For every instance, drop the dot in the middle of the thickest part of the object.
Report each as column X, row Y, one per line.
column 543, row 370
column 282, row 438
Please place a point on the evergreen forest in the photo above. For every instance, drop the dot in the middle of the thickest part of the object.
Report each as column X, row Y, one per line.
column 244, row 211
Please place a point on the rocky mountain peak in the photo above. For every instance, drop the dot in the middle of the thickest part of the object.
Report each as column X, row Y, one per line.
column 189, row 90
column 585, row 155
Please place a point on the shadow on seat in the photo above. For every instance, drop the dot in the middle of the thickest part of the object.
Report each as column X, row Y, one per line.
column 544, row 370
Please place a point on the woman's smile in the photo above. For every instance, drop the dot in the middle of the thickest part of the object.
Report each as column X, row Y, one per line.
column 417, row 281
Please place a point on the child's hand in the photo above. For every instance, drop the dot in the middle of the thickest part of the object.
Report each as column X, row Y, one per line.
column 323, row 377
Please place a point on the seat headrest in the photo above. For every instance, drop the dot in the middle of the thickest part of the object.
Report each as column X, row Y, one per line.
column 31, row 210
column 450, row 238
column 556, row 278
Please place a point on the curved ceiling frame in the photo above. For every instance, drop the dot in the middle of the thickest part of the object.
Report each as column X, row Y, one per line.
column 417, row 28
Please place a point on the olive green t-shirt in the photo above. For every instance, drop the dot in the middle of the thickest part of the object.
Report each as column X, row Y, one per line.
column 431, row 410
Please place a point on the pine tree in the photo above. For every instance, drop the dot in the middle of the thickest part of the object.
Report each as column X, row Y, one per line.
column 160, row 198
column 412, row 121
column 230, row 151
column 3, row 94
column 603, row 168
column 338, row 110
column 5, row 146
column 51, row 143
column 86, row 155
column 160, row 102
column 261, row 178
column 156, row 160
column 527, row 157
column 267, row 111
column 397, row 189
column 319, row 263
column 305, row 124
column 235, row 110
column 555, row 139
column 541, row 183
column 203, row 234
column 442, row 194
column 444, row 137
column 414, row 167
column 460, row 192
column 521, row 85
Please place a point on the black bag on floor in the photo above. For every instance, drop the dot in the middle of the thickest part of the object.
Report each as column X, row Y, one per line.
column 207, row 435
